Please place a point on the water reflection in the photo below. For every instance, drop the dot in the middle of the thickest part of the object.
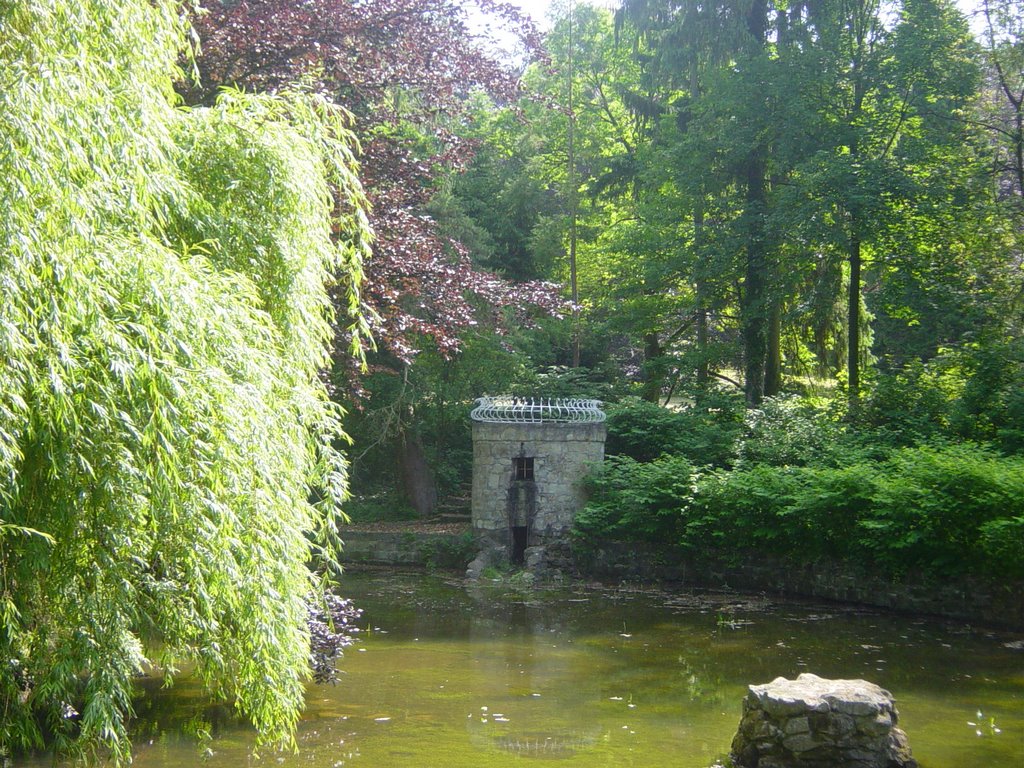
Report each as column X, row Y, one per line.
column 447, row 677
column 516, row 645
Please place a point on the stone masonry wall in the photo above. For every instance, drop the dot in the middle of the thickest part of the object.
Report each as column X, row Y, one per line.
column 812, row 722
column 562, row 454
column 394, row 547
column 996, row 604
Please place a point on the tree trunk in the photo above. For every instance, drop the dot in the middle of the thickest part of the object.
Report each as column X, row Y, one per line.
column 755, row 321
column 573, row 205
column 1018, row 148
column 856, row 217
column 853, row 318
column 418, row 483
column 755, row 331
column 773, row 362
column 702, row 312
column 652, row 365
column 703, row 367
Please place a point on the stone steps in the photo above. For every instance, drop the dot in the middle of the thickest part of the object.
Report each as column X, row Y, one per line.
column 454, row 517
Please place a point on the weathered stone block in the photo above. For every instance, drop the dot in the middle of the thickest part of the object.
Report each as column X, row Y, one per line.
column 812, row 722
column 801, row 742
column 797, row 725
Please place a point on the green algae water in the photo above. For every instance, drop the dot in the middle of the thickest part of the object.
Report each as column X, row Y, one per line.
column 446, row 676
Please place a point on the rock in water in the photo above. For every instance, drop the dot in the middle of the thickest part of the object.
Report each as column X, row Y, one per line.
column 812, row 722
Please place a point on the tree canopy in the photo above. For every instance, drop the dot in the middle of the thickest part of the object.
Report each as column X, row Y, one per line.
column 405, row 69
column 163, row 424
column 780, row 192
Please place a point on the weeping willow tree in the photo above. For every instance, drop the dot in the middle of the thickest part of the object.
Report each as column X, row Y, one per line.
column 164, row 313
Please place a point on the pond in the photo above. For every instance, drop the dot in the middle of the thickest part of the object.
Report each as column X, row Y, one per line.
column 447, row 676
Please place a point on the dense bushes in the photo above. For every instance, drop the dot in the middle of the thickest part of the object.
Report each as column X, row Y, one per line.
column 788, row 431
column 704, row 433
column 974, row 393
column 633, row 500
column 938, row 509
column 935, row 511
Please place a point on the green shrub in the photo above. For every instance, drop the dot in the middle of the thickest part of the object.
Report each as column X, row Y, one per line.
column 636, row 501
column 384, row 507
column 991, row 407
column 703, row 433
column 1002, row 542
column 714, row 423
column 930, row 504
column 974, row 393
column 822, row 520
column 643, row 430
column 802, row 513
column 733, row 512
column 915, row 403
column 938, row 511
column 787, row 431
column 1010, row 434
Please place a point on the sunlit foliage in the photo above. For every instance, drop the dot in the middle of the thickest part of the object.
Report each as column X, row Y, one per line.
column 163, row 317
column 404, row 68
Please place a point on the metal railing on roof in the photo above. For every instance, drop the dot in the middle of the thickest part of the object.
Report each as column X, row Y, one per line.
column 507, row 409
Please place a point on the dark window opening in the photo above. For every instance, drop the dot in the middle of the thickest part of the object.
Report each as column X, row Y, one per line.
column 520, row 536
column 523, row 467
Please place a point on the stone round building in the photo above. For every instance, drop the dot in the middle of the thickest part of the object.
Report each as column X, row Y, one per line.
column 529, row 459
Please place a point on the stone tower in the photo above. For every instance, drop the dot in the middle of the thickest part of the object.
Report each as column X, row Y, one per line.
column 529, row 458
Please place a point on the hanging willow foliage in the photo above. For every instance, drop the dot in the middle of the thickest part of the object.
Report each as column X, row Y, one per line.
column 164, row 313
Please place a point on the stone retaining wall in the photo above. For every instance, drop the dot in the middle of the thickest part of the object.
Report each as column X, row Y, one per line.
column 395, row 547
column 967, row 599
column 985, row 603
